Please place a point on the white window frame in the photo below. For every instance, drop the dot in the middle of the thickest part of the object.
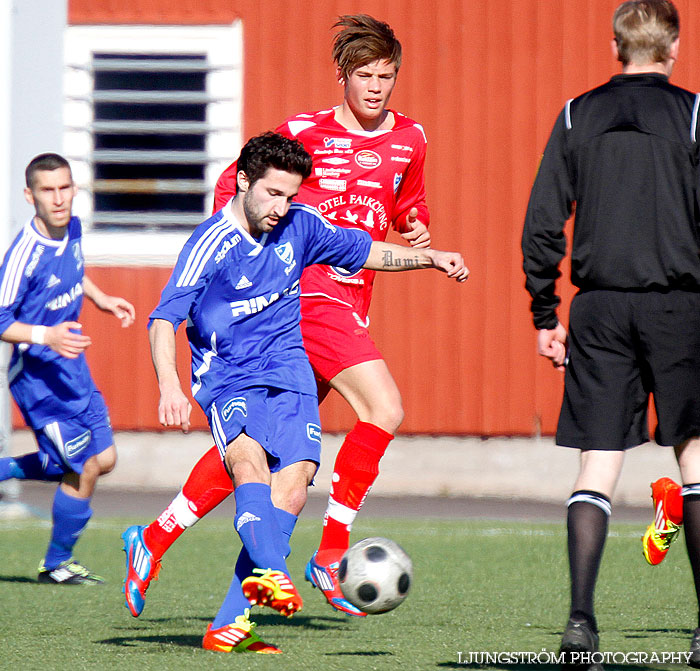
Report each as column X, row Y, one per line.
column 223, row 47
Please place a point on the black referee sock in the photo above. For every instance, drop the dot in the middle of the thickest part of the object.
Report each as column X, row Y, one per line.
column 587, row 526
column 691, row 527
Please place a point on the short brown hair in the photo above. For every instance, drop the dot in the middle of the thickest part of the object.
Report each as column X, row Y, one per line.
column 272, row 150
column 43, row 162
column 645, row 30
column 363, row 40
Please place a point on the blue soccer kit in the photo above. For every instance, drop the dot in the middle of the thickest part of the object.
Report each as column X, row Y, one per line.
column 41, row 282
column 240, row 297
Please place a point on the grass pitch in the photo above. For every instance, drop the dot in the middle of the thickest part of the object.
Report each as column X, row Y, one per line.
column 479, row 586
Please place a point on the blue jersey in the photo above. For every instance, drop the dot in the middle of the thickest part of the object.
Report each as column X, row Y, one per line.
column 41, row 282
column 240, row 297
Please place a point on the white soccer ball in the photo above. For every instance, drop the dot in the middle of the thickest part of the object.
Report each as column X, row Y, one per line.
column 375, row 575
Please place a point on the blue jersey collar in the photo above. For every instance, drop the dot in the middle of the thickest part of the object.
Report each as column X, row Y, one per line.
column 256, row 245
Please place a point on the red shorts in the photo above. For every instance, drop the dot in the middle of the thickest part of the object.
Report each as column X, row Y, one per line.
column 335, row 337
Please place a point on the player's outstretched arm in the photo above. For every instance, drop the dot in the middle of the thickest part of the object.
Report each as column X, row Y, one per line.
column 173, row 408
column 119, row 307
column 416, row 234
column 61, row 338
column 385, row 256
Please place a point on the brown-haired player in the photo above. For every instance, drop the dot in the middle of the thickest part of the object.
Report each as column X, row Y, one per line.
column 626, row 153
column 367, row 174
column 236, row 285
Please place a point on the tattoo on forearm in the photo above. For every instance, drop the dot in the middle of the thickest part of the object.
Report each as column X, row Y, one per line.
column 389, row 261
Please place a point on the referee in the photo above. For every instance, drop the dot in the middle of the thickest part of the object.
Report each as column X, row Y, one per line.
column 626, row 154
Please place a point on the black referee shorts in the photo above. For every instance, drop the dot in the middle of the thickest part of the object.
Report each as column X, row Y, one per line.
column 624, row 346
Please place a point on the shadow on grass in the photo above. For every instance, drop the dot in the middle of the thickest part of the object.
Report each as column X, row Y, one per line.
column 360, row 653
column 185, row 641
column 18, row 578
column 141, row 628
column 262, row 619
column 643, row 633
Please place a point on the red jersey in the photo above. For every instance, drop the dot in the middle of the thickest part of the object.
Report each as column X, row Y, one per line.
column 360, row 179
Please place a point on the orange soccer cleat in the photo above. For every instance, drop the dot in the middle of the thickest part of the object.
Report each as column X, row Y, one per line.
column 273, row 589
column 237, row 637
column 668, row 518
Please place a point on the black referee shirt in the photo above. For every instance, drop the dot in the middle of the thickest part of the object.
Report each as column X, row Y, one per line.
column 626, row 154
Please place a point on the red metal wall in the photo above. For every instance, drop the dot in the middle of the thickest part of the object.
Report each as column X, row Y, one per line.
column 486, row 79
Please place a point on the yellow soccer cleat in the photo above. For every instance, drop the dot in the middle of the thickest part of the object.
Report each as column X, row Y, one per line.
column 273, row 589
column 662, row 532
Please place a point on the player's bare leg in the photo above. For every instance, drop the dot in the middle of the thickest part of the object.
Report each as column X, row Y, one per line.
column 587, row 525
column 82, row 485
column 290, row 486
column 600, row 471
column 372, row 393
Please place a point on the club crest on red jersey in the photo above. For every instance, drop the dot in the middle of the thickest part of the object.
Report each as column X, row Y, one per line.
column 368, row 159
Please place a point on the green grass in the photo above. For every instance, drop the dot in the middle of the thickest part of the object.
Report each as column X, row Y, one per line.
column 478, row 586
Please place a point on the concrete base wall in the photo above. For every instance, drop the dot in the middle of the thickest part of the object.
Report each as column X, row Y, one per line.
column 517, row 468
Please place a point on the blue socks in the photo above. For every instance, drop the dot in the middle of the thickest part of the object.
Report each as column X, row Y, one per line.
column 286, row 522
column 70, row 517
column 257, row 526
column 235, row 603
column 28, row 467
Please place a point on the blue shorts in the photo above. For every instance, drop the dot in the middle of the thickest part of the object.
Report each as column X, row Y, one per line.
column 285, row 423
column 67, row 444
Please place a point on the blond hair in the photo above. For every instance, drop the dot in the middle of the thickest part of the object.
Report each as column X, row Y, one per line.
column 645, row 30
column 363, row 40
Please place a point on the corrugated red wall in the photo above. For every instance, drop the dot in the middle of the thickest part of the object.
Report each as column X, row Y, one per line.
column 487, row 80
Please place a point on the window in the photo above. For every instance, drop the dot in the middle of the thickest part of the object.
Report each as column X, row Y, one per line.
column 152, row 117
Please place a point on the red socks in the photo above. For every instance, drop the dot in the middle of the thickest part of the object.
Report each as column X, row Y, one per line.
column 207, row 486
column 356, row 468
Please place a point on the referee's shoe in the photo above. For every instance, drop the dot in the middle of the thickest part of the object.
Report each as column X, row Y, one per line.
column 579, row 637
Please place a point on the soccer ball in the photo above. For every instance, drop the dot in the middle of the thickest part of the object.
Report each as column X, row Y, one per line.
column 375, row 575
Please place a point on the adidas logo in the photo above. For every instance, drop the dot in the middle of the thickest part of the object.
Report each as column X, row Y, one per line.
column 53, row 281
column 245, row 518
column 244, row 283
